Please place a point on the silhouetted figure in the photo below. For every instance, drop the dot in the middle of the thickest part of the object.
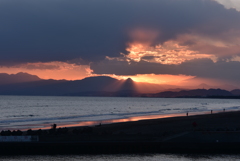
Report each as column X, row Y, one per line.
column 53, row 129
column 224, row 110
column 54, row 126
column 187, row 113
column 211, row 111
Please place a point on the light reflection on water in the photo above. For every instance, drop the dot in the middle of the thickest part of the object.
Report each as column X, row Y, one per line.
column 150, row 157
column 24, row 112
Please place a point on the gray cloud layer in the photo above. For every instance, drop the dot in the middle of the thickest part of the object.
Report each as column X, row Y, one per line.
column 61, row 30
column 204, row 68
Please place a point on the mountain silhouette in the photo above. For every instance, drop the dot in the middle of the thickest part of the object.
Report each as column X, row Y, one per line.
column 26, row 84
column 236, row 92
column 223, row 86
column 17, row 78
column 193, row 93
column 127, row 89
column 128, row 84
column 88, row 86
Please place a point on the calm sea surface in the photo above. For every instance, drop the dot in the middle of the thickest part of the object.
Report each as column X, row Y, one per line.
column 23, row 112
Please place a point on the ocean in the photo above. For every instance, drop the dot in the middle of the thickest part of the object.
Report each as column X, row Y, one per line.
column 25, row 112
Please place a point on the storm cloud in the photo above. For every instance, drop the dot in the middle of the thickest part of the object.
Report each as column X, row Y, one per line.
column 61, row 30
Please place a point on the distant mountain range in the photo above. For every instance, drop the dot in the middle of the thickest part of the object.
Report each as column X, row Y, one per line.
column 26, row 84
column 196, row 93
column 91, row 86
column 17, row 78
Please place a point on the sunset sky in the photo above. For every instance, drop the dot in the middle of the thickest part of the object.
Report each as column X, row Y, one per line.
column 175, row 42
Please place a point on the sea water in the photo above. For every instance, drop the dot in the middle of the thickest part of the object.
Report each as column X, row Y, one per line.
column 23, row 112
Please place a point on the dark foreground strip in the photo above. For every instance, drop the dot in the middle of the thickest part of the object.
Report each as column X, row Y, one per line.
column 116, row 148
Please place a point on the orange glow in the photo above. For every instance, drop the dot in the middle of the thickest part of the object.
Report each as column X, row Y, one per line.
column 61, row 70
column 151, row 78
column 150, row 83
column 160, row 78
column 168, row 53
column 51, row 70
column 153, row 83
column 141, row 47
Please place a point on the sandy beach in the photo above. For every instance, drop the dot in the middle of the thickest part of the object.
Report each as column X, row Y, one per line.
column 209, row 133
column 159, row 129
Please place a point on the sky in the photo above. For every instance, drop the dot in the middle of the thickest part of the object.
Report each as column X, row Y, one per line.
column 180, row 42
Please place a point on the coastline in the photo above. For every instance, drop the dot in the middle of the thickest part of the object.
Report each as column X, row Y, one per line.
column 210, row 122
column 121, row 120
column 161, row 128
column 214, row 133
column 109, row 110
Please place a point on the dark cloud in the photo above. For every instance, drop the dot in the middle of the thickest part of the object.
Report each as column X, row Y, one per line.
column 40, row 66
column 61, row 30
column 204, row 68
column 78, row 61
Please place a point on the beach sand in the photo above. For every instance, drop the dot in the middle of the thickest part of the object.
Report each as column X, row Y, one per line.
column 164, row 129
column 213, row 133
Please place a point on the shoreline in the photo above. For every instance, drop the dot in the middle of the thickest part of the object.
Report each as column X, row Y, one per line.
column 113, row 121
column 129, row 119
column 214, row 133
